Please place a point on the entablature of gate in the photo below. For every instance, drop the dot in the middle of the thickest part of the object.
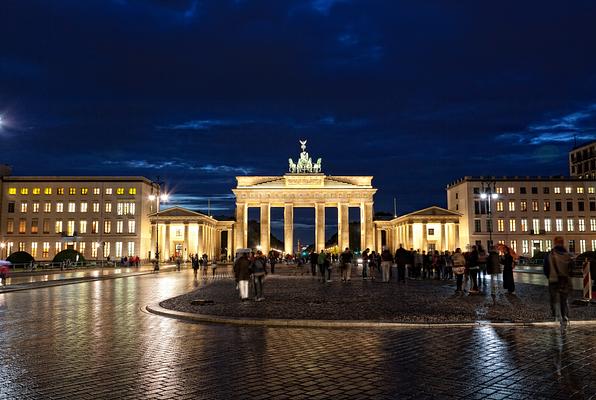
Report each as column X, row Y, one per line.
column 304, row 197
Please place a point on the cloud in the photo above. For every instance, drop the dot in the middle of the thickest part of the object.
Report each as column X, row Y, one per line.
column 176, row 164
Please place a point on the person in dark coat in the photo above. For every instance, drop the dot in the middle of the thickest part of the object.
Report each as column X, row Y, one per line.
column 313, row 258
column 473, row 268
column 401, row 259
column 557, row 268
column 242, row 271
column 508, row 266
column 493, row 268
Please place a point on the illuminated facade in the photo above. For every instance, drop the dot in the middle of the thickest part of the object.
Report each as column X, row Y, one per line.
column 582, row 161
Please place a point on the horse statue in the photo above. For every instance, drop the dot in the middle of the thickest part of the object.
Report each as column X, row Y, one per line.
column 317, row 166
column 292, row 166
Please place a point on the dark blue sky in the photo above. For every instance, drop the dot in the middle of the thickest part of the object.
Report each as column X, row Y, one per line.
column 415, row 93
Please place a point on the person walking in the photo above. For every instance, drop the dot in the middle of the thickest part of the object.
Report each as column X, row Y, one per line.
column 426, row 265
column 418, row 261
column 195, row 265
column 4, row 272
column 328, row 266
column 557, row 268
column 242, row 271
column 473, row 270
column 508, row 265
column 493, row 268
column 205, row 264
column 313, row 258
column 345, row 263
column 178, row 263
column 273, row 260
column 386, row 262
column 459, row 268
column 321, row 258
column 401, row 258
column 259, row 270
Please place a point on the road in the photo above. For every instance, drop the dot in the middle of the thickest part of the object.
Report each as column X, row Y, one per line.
column 93, row 340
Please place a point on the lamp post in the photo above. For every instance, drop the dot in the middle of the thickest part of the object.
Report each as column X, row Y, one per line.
column 157, row 198
column 489, row 192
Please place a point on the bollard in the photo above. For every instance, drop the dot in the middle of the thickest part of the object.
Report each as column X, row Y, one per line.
column 587, row 282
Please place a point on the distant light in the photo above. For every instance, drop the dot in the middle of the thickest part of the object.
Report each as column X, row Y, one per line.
column 152, row 197
column 495, row 195
column 165, row 197
column 483, row 196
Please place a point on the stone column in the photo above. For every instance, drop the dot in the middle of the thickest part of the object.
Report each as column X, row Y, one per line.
column 186, row 242
column 289, row 229
column 343, row 226
column 320, row 226
column 379, row 240
column 424, row 237
column 230, row 245
column 241, row 225
column 265, row 227
column 217, row 243
column 444, row 241
column 368, row 227
column 153, row 239
column 200, row 240
column 167, row 247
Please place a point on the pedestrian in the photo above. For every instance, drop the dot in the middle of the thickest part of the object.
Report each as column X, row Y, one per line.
column 321, row 263
column 242, row 271
column 386, row 262
column 272, row 261
column 426, row 265
column 366, row 260
column 205, row 265
column 345, row 262
column 213, row 268
column 473, row 270
column 328, row 266
column 508, row 265
column 401, row 258
column 372, row 261
column 557, row 268
column 4, row 272
column 459, row 268
column 410, row 263
column 312, row 258
column 482, row 260
column 493, row 268
column 259, row 270
column 448, row 265
column 418, row 264
column 178, row 263
column 195, row 265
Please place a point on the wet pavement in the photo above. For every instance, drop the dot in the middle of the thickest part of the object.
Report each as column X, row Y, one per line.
column 93, row 340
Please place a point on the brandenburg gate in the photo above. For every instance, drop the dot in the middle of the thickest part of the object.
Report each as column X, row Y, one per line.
column 305, row 186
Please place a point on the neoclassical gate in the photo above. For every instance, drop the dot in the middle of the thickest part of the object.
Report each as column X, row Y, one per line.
column 305, row 186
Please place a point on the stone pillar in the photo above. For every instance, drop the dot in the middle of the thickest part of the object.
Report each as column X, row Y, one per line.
column 167, row 247
column 444, row 238
column 320, row 227
column 424, row 237
column 379, row 240
column 369, row 226
column 153, row 239
column 217, row 243
column 289, row 229
column 241, row 225
column 265, row 227
column 230, row 245
column 186, row 242
column 200, row 238
column 343, row 226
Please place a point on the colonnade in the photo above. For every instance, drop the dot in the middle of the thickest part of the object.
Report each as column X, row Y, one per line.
column 194, row 238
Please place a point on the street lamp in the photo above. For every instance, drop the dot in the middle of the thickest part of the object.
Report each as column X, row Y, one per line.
column 157, row 198
column 489, row 193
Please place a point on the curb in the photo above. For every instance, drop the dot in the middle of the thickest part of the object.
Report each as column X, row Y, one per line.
column 314, row 323
column 73, row 281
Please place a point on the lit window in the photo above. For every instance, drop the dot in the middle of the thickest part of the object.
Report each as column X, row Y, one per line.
column 593, row 224
column 511, row 205
column 83, row 206
column 580, row 190
column 546, row 205
column 581, row 225
column 107, row 226
column 46, row 226
column 559, row 225
column 95, row 207
column 500, row 225
column 512, row 226
column 131, row 208
column 70, row 228
column 22, row 225
column 82, row 248
column 36, row 190
column 45, row 250
column 568, row 190
column 132, row 226
column 82, row 226
column 523, row 205
column 591, row 190
column 534, row 205
column 95, row 226
column 58, row 227
column 513, row 245
column 34, row 249
column 94, row 246
column 24, row 207
column 547, row 225
column 96, row 190
column 84, row 191
column 106, row 249
column 557, row 190
column 60, row 190
column 35, row 207
column 120, row 209
column 549, row 244
column 108, row 207
column 569, row 225
column 72, row 206
column 132, row 191
column 120, row 191
column 511, row 190
column 119, row 226
column 47, row 207
column 10, row 225
column 118, row 249
column 131, row 249
column 499, row 190
column 524, row 225
column 59, row 207
column 108, row 190
column 536, row 225
column 12, row 190
column 593, row 244
column 24, row 191
column 525, row 247
column 58, row 247
column 72, row 190
column 47, row 191
column 500, row 205
column 22, row 246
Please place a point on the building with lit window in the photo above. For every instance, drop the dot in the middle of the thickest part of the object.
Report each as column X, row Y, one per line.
column 99, row 216
column 582, row 161
column 526, row 213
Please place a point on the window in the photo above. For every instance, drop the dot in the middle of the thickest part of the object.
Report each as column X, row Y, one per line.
column 120, row 191
column 118, row 249
column 47, row 207
column 582, row 245
column 46, row 226
column 34, row 249
column 11, row 207
column 593, row 244
column 34, row 225
column 569, row 206
column 131, row 208
column 36, row 190
column 84, row 190
column 108, row 207
column 94, row 246
column 12, row 190
column 36, row 207
column 558, row 206
column 549, row 244
column 95, row 226
column 534, row 205
column 581, row 225
column 45, row 252
column 58, row 226
column 592, row 205
column 546, row 205
column 58, row 247
column 24, row 207
column 524, row 225
column 476, row 190
column 22, row 246
column 96, row 190
column 559, row 225
column 499, row 205
column 511, row 205
column 59, row 207
column 106, row 249
column 82, row 248
column 83, row 206
column 108, row 190
column 489, row 225
column 132, row 226
column 593, row 224
column 60, row 190
column 70, row 227
column 477, row 226
column 513, row 245
column 522, row 190
column 72, row 206
column 119, row 226
column 72, row 190
column 22, row 225
column 501, row 225
column 536, row 225
column 511, row 190
column 131, row 249
column 580, row 190
column 525, row 247
column 10, row 226
column 534, row 190
column 120, row 209
column 95, row 207
column 82, row 226
column 580, row 206
column 569, row 225
column 132, row 191
column 107, row 226
column 591, row 190
column 547, row 225
column 24, row 191
column 523, row 205
column 546, row 190
column 568, row 190
column 47, row 190
column 512, row 225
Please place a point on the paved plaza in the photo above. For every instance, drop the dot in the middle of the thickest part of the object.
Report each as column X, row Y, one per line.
column 93, row 340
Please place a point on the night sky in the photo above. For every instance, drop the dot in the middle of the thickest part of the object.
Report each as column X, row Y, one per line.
column 415, row 93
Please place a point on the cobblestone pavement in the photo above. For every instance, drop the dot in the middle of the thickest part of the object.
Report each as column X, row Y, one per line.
column 93, row 341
